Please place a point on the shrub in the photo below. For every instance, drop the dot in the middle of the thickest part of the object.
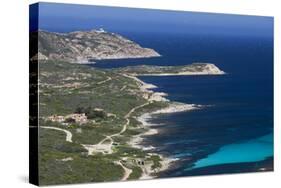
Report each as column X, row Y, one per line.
column 90, row 112
column 69, row 120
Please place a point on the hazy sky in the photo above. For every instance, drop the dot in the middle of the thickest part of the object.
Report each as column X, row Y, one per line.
column 69, row 17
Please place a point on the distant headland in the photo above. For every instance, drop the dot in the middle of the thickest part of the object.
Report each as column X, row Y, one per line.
column 86, row 46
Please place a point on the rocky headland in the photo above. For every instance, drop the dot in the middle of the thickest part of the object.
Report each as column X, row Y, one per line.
column 86, row 46
column 191, row 69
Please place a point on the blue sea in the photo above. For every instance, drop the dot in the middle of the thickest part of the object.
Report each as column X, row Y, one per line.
column 233, row 132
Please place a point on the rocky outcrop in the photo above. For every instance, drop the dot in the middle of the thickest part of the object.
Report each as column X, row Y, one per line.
column 86, row 46
column 39, row 56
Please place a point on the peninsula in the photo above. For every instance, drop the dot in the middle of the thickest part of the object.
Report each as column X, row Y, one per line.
column 86, row 46
column 191, row 69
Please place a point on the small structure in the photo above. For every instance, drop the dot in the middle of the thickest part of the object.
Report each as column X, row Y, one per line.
column 143, row 163
column 139, row 162
column 78, row 118
column 56, row 118
column 101, row 30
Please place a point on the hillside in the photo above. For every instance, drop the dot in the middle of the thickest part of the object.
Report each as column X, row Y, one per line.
column 85, row 46
column 87, row 118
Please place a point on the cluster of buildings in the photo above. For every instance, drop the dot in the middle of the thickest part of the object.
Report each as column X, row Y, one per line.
column 136, row 161
column 79, row 118
column 76, row 118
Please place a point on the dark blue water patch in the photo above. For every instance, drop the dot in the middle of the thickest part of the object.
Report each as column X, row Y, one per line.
column 205, row 89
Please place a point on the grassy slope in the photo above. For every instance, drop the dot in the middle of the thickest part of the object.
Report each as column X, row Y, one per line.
column 63, row 88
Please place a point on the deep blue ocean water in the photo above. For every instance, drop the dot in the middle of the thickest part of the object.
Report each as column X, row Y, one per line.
column 236, row 125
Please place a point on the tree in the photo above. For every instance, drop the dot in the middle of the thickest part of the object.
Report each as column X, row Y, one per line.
column 96, row 114
column 79, row 110
column 90, row 112
column 69, row 120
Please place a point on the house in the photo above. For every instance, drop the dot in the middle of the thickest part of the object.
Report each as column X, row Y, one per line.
column 56, row 118
column 77, row 118
column 137, row 161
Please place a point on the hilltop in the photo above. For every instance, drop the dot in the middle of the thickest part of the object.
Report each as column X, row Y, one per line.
column 86, row 46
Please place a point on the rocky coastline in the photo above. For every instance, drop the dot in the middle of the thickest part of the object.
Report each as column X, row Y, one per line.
column 173, row 107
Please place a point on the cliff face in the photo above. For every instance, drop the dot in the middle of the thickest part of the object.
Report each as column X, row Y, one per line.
column 84, row 46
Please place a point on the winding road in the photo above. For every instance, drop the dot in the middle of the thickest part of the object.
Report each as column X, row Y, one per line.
column 68, row 133
column 105, row 148
column 125, row 125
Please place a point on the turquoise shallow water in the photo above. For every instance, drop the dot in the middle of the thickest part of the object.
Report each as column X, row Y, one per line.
column 253, row 150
